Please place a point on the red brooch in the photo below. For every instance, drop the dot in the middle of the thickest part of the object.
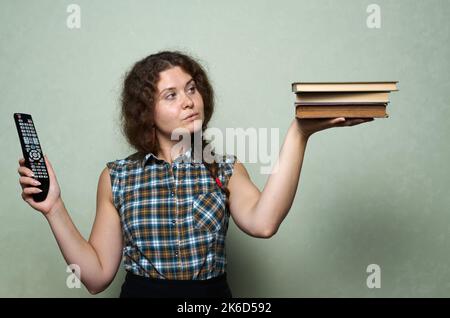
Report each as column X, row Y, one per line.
column 218, row 182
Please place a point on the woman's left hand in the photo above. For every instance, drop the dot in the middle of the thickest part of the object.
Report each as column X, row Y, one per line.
column 307, row 127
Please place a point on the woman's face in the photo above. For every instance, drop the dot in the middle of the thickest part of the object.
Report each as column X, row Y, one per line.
column 177, row 98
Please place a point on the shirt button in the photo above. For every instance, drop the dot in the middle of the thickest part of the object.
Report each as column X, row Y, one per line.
column 176, row 254
column 172, row 193
column 174, row 222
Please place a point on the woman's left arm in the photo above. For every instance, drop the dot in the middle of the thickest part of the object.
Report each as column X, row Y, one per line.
column 260, row 214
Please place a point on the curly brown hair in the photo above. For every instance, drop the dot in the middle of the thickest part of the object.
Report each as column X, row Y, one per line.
column 138, row 100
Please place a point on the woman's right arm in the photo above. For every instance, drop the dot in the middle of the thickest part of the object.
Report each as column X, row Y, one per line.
column 99, row 257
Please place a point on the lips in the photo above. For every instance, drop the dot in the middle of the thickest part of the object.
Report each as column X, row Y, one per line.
column 191, row 116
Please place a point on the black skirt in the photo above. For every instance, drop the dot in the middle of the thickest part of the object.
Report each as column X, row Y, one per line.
column 139, row 286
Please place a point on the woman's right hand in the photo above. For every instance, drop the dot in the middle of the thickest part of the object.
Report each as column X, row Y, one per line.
column 29, row 188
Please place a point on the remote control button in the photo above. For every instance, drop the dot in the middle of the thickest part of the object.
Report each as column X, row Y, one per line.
column 35, row 155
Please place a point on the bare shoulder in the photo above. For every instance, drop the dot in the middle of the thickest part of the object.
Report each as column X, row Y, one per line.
column 240, row 180
column 239, row 169
column 239, row 175
column 104, row 186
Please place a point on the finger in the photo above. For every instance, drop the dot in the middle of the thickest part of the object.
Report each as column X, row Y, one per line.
column 355, row 121
column 27, row 198
column 358, row 121
column 31, row 190
column 24, row 196
column 338, row 120
column 24, row 171
column 27, row 181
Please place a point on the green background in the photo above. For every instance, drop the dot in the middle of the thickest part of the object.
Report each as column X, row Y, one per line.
column 376, row 193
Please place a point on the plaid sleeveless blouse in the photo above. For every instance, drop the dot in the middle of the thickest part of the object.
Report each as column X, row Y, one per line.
column 174, row 217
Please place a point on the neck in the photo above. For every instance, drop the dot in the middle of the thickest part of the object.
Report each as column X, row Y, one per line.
column 169, row 149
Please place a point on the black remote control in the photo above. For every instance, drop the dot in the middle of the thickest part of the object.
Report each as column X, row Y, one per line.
column 32, row 153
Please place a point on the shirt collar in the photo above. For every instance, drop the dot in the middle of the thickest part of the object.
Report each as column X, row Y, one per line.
column 186, row 157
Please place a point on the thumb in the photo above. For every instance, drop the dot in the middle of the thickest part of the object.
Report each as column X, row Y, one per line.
column 337, row 120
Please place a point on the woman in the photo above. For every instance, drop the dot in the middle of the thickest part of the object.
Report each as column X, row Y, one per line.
column 163, row 213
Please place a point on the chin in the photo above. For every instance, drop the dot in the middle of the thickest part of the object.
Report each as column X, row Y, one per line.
column 194, row 126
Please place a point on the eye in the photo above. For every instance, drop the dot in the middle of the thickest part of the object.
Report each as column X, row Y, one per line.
column 192, row 89
column 170, row 96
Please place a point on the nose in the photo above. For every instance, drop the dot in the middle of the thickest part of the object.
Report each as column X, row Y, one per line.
column 187, row 101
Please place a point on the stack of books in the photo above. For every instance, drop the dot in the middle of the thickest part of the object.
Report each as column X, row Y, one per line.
column 342, row 99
